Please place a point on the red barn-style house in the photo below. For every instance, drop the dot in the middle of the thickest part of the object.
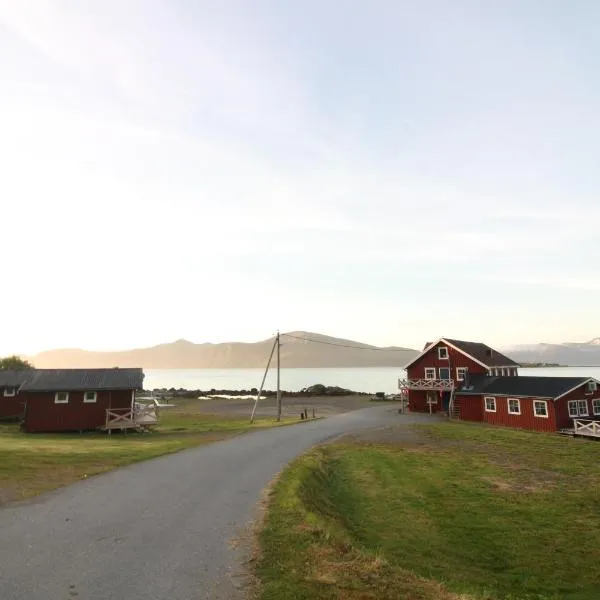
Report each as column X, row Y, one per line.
column 53, row 400
column 471, row 381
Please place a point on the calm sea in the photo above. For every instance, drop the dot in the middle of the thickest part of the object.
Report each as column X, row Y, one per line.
column 371, row 380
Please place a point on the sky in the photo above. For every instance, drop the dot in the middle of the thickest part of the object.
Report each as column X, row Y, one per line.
column 387, row 171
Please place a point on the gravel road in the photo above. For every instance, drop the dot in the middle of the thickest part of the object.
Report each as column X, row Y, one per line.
column 158, row 530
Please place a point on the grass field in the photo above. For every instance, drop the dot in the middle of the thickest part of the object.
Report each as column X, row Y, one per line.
column 35, row 463
column 468, row 511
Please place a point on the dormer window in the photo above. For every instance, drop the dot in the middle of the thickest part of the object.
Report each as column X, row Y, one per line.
column 443, row 353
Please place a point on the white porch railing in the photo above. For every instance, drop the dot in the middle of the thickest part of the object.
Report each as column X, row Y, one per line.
column 426, row 384
column 586, row 427
column 125, row 418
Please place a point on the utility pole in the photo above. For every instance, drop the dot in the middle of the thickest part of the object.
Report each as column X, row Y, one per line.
column 276, row 343
column 278, row 378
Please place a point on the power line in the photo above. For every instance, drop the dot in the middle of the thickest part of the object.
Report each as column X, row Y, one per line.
column 303, row 339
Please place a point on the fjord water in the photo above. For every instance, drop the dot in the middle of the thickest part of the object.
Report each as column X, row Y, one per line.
column 370, row 380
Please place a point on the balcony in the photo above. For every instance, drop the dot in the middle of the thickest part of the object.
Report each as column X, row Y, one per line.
column 444, row 385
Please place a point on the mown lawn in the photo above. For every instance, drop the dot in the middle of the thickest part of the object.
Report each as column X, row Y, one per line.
column 35, row 463
column 470, row 512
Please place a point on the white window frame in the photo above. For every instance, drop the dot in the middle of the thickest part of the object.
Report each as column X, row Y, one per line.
column 93, row 401
column 596, row 406
column 429, row 370
column 461, row 373
column 485, row 403
column 545, row 403
column 591, row 387
column 512, row 412
column 444, row 350
column 587, row 408
column 573, row 414
column 12, row 393
column 58, row 401
column 429, row 396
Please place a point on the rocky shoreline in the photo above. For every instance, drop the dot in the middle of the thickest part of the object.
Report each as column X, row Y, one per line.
column 313, row 390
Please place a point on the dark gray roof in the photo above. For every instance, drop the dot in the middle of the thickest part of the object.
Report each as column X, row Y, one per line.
column 483, row 353
column 541, row 387
column 51, row 380
column 13, row 377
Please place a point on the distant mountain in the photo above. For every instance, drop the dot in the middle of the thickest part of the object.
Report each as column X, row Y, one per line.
column 585, row 354
column 298, row 349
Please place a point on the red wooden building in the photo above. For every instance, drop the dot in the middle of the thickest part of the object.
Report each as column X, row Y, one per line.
column 540, row 403
column 434, row 375
column 52, row 400
column 471, row 381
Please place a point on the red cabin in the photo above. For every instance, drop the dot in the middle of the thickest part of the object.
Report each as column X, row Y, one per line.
column 53, row 400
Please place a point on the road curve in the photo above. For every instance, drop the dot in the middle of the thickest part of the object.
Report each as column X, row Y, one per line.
column 157, row 530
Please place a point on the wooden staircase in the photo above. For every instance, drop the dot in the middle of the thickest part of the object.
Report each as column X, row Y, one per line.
column 454, row 409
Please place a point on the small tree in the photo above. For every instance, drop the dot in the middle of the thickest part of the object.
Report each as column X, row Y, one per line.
column 14, row 363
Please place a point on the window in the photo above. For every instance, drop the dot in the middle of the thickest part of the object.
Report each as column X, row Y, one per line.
column 442, row 353
column 540, row 408
column 503, row 372
column 61, row 398
column 578, row 408
column 432, row 398
column 490, row 404
column 9, row 392
column 495, row 372
column 514, row 406
column 429, row 373
column 592, row 386
column 490, row 372
column 89, row 397
column 596, row 406
column 461, row 373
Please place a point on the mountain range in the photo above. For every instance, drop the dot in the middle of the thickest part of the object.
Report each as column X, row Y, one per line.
column 298, row 349
column 584, row 354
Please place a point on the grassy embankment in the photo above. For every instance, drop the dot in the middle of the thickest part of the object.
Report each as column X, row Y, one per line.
column 35, row 463
column 471, row 512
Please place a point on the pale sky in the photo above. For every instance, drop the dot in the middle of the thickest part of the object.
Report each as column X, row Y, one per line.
column 385, row 171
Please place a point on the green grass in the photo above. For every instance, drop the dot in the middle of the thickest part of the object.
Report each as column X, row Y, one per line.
column 476, row 512
column 35, row 463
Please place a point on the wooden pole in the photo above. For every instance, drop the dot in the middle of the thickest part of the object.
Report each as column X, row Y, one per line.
column 278, row 377
column 263, row 379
